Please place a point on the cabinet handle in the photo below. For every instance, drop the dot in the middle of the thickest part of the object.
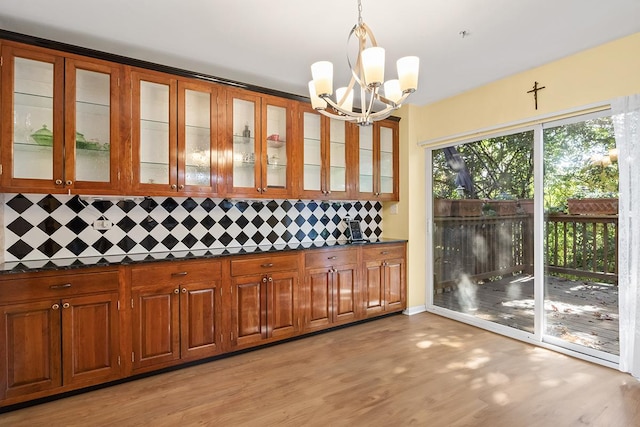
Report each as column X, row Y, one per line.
column 180, row 187
column 58, row 182
column 176, row 291
column 66, row 285
column 178, row 274
column 270, row 264
column 332, row 257
column 264, row 280
column 384, row 252
column 270, row 279
column 55, row 306
column 328, row 191
column 173, row 186
column 69, row 182
column 264, row 190
column 259, row 190
column 184, row 290
column 66, row 305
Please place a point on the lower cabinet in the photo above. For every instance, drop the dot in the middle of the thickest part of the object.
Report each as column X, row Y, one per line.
column 330, row 287
column 59, row 332
column 176, row 312
column 384, row 284
column 264, row 299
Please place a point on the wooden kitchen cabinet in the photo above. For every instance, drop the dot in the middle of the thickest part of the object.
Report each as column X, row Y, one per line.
column 384, row 285
column 260, row 161
column 59, row 332
column 325, row 163
column 331, row 287
column 61, row 122
column 176, row 313
column 264, row 299
column 174, row 132
column 378, row 161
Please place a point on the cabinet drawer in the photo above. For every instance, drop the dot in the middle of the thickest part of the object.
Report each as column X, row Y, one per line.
column 263, row 265
column 330, row 257
column 57, row 286
column 175, row 272
column 383, row 252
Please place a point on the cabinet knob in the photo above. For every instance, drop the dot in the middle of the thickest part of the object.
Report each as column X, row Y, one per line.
column 264, row 280
column 184, row 290
column 58, row 182
column 69, row 182
column 173, row 186
column 264, row 190
column 270, row 279
column 259, row 190
column 328, row 191
column 176, row 291
column 55, row 306
column 180, row 187
column 66, row 305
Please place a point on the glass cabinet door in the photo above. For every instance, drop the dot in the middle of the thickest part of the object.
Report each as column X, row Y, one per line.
column 312, row 152
column 337, row 156
column 154, row 132
column 197, row 150
column 386, row 161
column 365, row 160
column 92, row 132
column 275, row 159
column 245, row 152
column 34, row 119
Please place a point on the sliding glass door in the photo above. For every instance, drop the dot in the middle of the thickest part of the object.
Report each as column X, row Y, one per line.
column 486, row 231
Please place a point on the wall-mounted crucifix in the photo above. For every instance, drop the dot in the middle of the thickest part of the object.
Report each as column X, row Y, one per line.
column 535, row 90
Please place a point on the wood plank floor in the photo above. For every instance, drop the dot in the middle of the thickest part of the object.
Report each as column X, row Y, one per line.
column 579, row 312
column 401, row 370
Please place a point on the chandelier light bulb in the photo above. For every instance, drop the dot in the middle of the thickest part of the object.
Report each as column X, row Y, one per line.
column 392, row 90
column 316, row 102
column 348, row 101
column 408, row 73
column 322, row 73
column 373, row 64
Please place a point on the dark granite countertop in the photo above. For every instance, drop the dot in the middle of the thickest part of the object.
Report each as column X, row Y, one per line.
column 115, row 260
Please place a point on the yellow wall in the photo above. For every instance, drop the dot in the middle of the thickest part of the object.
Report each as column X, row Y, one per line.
column 589, row 77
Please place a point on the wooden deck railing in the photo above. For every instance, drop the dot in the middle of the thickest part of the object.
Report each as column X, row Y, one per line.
column 484, row 247
column 582, row 245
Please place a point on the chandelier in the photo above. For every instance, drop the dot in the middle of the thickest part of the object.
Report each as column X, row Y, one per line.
column 368, row 73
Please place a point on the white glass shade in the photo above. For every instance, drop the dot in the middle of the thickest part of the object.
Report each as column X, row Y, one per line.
column 348, row 102
column 373, row 65
column 392, row 90
column 322, row 73
column 408, row 68
column 316, row 102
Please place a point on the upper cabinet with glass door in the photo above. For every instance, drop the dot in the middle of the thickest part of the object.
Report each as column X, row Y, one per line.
column 259, row 156
column 174, row 135
column 378, row 161
column 324, row 156
column 61, row 123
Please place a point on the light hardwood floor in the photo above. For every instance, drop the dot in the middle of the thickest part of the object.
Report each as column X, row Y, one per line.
column 402, row 370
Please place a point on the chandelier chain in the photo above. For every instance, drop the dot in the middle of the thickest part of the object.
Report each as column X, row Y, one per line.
column 359, row 13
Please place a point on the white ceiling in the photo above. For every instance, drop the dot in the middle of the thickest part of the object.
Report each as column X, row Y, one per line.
column 272, row 43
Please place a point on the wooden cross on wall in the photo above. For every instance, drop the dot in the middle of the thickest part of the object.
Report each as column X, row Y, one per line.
column 535, row 92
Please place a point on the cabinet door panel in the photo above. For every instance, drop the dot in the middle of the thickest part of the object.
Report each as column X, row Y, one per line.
column 374, row 287
column 30, row 359
column 243, row 164
column 281, row 304
column 319, row 297
column 92, row 128
column 345, row 295
column 394, row 275
column 33, row 124
column 90, row 338
column 200, row 320
column 156, row 333
column 248, row 310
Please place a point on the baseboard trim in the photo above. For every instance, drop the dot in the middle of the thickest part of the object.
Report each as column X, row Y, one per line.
column 410, row 311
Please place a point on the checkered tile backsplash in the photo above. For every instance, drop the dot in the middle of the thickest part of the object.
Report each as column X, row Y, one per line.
column 56, row 226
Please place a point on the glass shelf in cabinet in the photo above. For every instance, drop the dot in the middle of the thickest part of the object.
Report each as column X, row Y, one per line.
column 239, row 139
column 312, row 164
column 275, row 144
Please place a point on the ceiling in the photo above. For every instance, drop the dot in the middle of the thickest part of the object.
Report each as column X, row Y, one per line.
column 273, row 43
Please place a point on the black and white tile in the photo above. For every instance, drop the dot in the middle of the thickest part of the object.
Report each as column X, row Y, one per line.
column 38, row 227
